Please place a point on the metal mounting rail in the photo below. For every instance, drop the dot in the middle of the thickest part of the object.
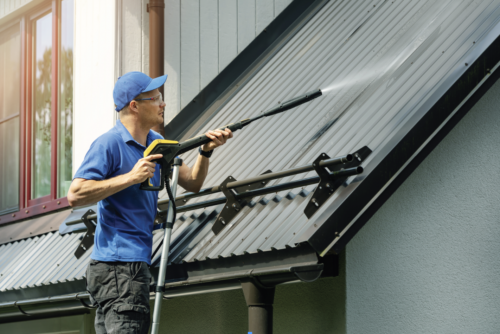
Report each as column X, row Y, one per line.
column 332, row 173
column 242, row 183
column 261, row 178
column 347, row 165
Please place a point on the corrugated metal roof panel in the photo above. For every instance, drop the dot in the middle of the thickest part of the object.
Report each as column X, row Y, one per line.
column 381, row 61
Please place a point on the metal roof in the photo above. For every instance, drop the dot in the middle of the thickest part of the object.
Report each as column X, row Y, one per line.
column 385, row 61
column 378, row 60
column 42, row 260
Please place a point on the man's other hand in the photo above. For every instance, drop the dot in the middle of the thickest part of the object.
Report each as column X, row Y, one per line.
column 144, row 169
column 219, row 138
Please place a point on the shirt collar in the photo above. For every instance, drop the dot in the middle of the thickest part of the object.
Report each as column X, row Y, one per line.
column 127, row 137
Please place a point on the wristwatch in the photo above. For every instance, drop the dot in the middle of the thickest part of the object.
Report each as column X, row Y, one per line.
column 205, row 154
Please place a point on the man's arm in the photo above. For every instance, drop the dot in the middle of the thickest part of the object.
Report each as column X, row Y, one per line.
column 192, row 178
column 82, row 191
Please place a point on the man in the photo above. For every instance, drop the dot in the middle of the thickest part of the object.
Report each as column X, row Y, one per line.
column 118, row 276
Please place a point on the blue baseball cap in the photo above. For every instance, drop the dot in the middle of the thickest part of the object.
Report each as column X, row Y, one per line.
column 132, row 84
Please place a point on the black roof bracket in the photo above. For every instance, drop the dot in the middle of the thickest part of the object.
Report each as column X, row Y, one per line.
column 231, row 208
column 329, row 182
column 233, row 204
column 88, row 238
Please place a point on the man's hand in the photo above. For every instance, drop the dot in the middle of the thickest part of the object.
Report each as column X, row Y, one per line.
column 144, row 169
column 219, row 138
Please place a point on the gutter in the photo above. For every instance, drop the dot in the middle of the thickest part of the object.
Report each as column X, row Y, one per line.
column 75, row 304
column 47, row 307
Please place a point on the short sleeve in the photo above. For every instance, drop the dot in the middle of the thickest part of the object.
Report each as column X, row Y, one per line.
column 99, row 161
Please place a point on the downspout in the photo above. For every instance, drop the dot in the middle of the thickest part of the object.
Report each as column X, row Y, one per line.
column 156, row 10
column 260, row 299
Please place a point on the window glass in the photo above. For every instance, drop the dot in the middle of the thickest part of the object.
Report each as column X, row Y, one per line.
column 10, row 98
column 65, row 127
column 42, row 106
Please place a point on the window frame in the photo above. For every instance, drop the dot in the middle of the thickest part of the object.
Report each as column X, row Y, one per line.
column 29, row 207
column 16, row 22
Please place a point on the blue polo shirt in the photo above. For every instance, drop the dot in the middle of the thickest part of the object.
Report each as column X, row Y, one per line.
column 125, row 219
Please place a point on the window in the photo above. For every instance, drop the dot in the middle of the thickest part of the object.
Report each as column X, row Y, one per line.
column 36, row 111
column 10, row 109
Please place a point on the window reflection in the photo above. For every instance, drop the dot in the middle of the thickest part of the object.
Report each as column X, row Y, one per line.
column 10, row 98
column 42, row 106
column 65, row 126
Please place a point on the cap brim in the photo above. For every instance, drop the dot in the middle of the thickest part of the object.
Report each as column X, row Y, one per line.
column 155, row 83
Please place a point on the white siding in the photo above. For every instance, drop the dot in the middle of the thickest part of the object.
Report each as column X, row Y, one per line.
column 228, row 32
column 246, row 18
column 209, row 52
column 10, row 6
column 131, row 36
column 190, row 49
column 264, row 13
column 172, row 56
column 95, row 73
column 203, row 37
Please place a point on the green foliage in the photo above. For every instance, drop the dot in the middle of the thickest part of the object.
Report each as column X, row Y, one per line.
column 65, row 120
column 42, row 124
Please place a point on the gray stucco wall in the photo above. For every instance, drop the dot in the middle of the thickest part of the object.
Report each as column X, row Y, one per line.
column 428, row 261
column 317, row 307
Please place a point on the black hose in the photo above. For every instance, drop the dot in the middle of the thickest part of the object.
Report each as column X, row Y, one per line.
column 172, row 200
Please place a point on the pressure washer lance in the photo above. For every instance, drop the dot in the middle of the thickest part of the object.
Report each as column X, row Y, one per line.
column 170, row 150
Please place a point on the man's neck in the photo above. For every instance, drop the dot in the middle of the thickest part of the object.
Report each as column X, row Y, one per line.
column 138, row 131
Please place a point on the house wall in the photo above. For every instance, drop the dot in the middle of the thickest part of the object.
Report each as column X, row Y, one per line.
column 133, row 36
column 203, row 36
column 112, row 38
column 77, row 324
column 94, row 73
column 8, row 7
column 427, row 261
column 299, row 308
column 201, row 39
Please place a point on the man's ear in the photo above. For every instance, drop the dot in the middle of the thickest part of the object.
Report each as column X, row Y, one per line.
column 133, row 106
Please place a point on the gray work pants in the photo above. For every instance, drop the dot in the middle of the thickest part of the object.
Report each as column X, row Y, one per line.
column 120, row 290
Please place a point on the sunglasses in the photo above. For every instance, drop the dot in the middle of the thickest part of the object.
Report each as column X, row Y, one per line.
column 158, row 98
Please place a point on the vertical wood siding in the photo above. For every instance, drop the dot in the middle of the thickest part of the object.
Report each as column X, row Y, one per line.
column 134, row 36
column 190, row 49
column 9, row 6
column 228, row 32
column 209, row 41
column 131, row 36
column 203, row 36
column 173, row 54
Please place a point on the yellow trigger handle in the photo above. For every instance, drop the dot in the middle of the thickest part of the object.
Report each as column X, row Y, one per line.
column 151, row 150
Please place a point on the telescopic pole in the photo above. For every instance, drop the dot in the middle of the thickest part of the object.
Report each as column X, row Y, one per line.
column 166, row 247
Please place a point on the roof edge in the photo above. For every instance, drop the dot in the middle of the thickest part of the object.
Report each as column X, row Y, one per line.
column 387, row 174
column 235, row 267
column 44, row 291
column 405, row 172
